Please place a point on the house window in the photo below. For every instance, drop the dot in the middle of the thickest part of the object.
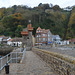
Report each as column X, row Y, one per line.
column 37, row 36
column 43, row 39
column 48, row 39
column 43, row 34
column 36, row 31
column 48, row 35
column 39, row 30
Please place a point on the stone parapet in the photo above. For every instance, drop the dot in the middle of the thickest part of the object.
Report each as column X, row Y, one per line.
column 61, row 64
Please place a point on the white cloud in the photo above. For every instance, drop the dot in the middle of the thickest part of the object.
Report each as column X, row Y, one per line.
column 68, row 3
column 32, row 3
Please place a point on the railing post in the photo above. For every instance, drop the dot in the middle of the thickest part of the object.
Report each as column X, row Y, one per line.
column 23, row 54
column 16, row 57
column 68, row 72
column 11, row 57
column 1, row 66
column 7, row 58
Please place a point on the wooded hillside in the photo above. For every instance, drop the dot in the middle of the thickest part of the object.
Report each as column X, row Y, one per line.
column 15, row 18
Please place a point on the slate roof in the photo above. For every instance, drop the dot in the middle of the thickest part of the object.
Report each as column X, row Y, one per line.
column 72, row 40
column 17, row 40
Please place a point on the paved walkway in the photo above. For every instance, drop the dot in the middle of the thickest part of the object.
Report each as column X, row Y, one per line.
column 62, row 50
column 32, row 65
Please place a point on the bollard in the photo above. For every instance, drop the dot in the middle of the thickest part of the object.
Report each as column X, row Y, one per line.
column 7, row 68
column 68, row 72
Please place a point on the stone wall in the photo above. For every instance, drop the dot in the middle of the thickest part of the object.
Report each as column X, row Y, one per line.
column 61, row 64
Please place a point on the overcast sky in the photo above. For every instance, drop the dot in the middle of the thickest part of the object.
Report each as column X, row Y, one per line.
column 32, row 3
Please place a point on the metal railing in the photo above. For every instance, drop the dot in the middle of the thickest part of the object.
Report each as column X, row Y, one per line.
column 13, row 57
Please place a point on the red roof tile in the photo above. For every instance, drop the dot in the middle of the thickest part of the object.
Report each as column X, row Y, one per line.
column 17, row 40
column 2, row 36
column 10, row 39
column 42, row 30
column 24, row 33
column 29, row 27
column 73, row 40
column 38, row 28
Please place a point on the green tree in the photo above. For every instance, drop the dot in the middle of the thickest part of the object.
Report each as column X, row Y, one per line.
column 56, row 8
column 11, row 22
column 18, row 31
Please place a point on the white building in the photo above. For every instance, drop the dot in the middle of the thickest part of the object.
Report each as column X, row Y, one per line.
column 56, row 39
column 16, row 42
column 65, row 42
column 68, row 8
column 1, row 37
column 50, row 5
column 9, row 42
column 5, row 39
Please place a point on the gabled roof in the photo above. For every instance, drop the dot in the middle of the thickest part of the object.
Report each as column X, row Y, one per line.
column 72, row 40
column 38, row 28
column 42, row 30
column 26, row 30
column 45, row 31
column 17, row 40
column 10, row 39
column 24, row 33
column 30, row 28
column 5, row 37
column 55, row 36
column 2, row 36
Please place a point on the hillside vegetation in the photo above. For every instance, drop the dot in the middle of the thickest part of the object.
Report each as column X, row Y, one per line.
column 15, row 18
